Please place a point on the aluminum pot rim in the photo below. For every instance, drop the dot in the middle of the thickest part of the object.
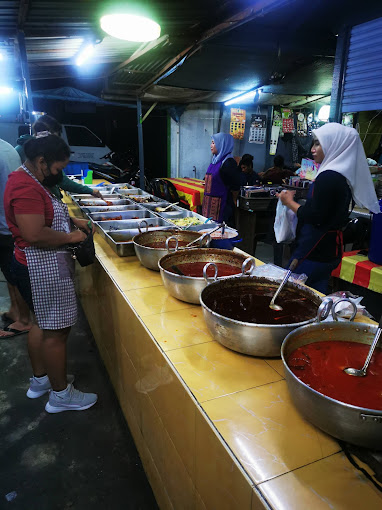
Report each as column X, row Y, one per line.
column 175, row 231
column 312, row 390
column 294, row 325
column 197, row 278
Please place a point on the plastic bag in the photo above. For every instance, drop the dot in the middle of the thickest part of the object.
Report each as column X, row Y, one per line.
column 272, row 271
column 336, row 296
column 285, row 224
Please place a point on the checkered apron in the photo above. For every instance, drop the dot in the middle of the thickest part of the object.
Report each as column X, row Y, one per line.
column 51, row 272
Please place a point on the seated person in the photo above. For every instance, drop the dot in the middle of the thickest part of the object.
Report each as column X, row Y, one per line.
column 248, row 177
column 276, row 173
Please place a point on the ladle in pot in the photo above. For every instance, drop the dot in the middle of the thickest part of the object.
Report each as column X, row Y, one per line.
column 361, row 372
column 272, row 304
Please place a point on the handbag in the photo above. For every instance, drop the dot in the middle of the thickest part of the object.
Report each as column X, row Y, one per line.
column 84, row 251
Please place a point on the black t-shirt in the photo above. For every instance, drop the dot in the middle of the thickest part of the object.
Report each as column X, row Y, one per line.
column 327, row 210
column 249, row 179
column 230, row 174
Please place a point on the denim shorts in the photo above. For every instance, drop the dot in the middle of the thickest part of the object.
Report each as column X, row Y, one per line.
column 20, row 276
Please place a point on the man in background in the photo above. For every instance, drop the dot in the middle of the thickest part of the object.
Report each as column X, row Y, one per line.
column 17, row 319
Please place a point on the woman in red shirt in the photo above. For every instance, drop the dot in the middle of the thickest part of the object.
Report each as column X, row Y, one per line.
column 43, row 268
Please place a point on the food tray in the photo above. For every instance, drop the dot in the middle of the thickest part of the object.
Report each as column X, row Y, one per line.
column 115, row 225
column 121, row 241
column 100, row 203
column 132, row 191
column 133, row 214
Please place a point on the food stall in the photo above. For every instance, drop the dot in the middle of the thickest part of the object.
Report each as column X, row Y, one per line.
column 214, row 428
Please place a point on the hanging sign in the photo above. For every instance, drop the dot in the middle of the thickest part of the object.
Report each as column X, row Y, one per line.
column 302, row 128
column 258, row 128
column 288, row 122
column 275, row 133
column 237, row 125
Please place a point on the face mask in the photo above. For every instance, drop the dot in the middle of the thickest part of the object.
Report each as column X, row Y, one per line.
column 52, row 180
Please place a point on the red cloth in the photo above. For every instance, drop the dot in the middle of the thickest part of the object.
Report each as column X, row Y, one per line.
column 23, row 195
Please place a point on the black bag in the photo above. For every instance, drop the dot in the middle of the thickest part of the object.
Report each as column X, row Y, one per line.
column 84, row 251
column 357, row 233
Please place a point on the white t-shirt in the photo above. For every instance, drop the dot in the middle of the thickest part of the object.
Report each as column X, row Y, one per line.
column 9, row 162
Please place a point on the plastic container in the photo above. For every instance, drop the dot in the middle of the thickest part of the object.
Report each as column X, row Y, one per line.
column 89, row 177
column 375, row 247
column 74, row 168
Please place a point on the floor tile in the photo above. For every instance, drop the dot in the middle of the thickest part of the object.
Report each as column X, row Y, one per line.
column 266, row 433
column 330, row 483
column 210, row 370
column 180, row 328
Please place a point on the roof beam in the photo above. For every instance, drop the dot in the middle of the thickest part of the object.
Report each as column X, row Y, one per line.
column 142, row 50
column 23, row 12
column 257, row 9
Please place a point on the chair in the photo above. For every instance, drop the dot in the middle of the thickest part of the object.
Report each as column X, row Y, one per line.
column 172, row 195
column 158, row 188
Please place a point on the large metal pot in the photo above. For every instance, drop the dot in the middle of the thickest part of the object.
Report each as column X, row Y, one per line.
column 357, row 425
column 262, row 340
column 188, row 288
column 148, row 256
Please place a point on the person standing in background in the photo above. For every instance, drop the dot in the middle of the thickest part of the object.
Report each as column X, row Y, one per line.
column 248, row 176
column 222, row 181
column 46, row 123
column 17, row 319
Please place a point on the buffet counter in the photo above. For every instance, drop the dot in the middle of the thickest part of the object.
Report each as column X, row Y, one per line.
column 215, row 429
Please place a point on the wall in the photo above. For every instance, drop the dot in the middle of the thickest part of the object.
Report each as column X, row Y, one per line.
column 196, row 126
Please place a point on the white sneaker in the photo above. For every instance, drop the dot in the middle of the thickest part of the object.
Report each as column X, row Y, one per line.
column 69, row 399
column 41, row 385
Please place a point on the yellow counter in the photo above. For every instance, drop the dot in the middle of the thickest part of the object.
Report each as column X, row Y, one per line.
column 215, row 429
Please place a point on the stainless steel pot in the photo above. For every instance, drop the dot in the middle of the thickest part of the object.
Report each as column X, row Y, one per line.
column 149, row 257
column 262, row 340
column 188, row 288
column 357, row 425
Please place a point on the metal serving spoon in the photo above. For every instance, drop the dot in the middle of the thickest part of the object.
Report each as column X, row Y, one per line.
column 272, row 304
column 198, row 239
column 163, row 209
column 362, row 372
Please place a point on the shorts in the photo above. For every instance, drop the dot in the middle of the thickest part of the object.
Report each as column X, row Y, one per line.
column 6, row 256
column 20, row 276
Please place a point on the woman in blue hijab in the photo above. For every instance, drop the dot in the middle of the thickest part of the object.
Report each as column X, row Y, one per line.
column 222, row 181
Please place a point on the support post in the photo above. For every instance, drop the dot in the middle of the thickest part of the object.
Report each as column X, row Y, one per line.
column 25, row 72
column 140, row 146
column 340, row 62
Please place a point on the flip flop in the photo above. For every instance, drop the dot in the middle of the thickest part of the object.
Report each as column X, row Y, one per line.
column 15, row 332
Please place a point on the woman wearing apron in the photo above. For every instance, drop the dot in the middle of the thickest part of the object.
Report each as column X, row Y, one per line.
column 222, row 181
column 343, row 175
column 44, row 270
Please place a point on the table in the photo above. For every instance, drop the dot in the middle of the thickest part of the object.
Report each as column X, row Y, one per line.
column 189, row 189
column 358, row 269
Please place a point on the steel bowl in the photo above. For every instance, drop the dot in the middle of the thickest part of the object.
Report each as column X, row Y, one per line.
column 148, row 256
column 356, row 425
column 262, row 340
column 188, row 288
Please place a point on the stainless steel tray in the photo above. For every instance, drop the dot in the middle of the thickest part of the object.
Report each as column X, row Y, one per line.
column 132, row 214
column 106, row 196
column 112, row 208
column 99, row 203
column 152, row 199
column 121, row 241
column 115, row 225
column 132, row 191
column 153, row 205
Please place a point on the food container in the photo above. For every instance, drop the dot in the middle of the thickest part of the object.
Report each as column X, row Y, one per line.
column 188, row 288
column 357, row 425
column 247, row 337
column 225, row 242
column 133, row 214
column 100, row 203
column 150, row 256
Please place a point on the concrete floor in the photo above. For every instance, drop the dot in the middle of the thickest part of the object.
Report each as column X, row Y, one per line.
column 72, row 460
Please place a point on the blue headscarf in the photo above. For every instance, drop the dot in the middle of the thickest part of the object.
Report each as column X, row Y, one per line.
column 224, row 145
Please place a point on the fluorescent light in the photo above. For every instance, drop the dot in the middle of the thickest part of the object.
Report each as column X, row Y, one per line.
column 85, row 54
column 247, row 95
column 323, row 113
column 6, row 90
column 130, row 27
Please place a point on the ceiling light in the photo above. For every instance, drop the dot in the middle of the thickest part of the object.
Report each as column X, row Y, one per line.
column 247, row 95
column 6, row 90
column 130, row 27
column 324, row 112
column 84, row 54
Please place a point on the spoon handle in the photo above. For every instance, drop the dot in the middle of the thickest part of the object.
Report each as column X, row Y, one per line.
column 292, row 266
column 373, row 346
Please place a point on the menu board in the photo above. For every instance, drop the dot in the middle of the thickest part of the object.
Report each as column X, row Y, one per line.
column 258, row 128
column 237, row 124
